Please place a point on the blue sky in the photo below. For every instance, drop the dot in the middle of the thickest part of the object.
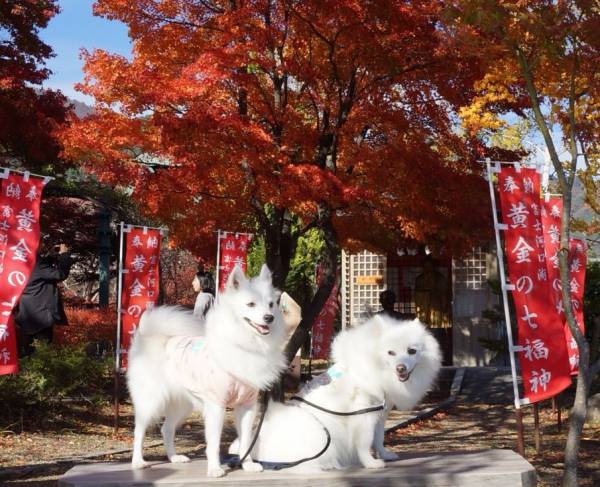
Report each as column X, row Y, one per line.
column 75, row 28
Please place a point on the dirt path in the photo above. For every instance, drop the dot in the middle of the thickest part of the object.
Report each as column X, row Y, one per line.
column 463, row 427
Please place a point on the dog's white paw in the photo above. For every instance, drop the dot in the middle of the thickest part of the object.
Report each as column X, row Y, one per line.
column 215, row 471
column 388, row 456
column 375, row 463
column 139, row 464
column 179, row 459
column 252, row 467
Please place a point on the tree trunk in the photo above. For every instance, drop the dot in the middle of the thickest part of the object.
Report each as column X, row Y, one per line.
column 329, row 270
column 279, row 246
column 595, row 338
column 566, row 178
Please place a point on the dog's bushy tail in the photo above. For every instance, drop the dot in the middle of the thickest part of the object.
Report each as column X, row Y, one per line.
column 170, row 321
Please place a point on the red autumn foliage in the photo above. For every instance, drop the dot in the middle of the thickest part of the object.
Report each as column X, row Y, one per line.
column 87, row 325
column 29, row 115
column 339, row 113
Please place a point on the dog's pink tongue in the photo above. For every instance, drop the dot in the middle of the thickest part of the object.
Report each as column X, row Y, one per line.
column 264, row 330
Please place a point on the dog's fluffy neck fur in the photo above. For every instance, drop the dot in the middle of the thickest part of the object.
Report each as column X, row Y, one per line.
column 258, row 366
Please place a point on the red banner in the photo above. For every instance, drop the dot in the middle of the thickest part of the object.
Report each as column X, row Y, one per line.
column 233, row 251
column 577, row 265
column 551, row 216
column 541, row 346
column 140, row 281
column 20, row 201
column 323, row 326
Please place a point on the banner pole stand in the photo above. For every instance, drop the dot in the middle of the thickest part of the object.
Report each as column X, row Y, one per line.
column 116, row 402
column 536, row 427
column 503, row 286
column 556, row 410
column 118, row 347
column 520, row 435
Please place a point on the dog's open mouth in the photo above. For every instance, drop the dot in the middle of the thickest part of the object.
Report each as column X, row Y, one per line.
column 261, row 329
column 403, row 376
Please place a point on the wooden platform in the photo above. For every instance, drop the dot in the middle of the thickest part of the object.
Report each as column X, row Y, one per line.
column 487, row 468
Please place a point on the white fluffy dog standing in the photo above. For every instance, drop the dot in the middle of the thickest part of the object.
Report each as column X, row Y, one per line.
column 177, row 365
column 384, row 361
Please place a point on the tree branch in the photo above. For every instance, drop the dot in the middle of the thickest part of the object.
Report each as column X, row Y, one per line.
column 539, row 116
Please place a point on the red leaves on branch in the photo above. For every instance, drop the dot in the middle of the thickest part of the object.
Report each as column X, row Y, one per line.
column 241, row 106
column 29, row 115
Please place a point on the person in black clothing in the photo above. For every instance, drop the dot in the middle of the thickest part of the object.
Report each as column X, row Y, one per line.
column 40, row 306
column 387, row 299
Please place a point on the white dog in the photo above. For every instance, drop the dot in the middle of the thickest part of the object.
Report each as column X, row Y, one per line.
column 177, row 365
column 383, row 361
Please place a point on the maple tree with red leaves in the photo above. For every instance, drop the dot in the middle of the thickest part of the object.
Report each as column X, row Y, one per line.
column 286, row 116
column 29, row 115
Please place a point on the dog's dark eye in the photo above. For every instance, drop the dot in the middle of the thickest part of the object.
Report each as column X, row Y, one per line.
column 412, row 351
column 391, row 352
column 251, row 305
column 271, row 304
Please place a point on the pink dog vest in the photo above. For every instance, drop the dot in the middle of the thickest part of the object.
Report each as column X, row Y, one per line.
column 199, row 373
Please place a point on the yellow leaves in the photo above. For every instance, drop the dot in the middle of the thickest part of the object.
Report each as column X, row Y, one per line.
column 492, row 91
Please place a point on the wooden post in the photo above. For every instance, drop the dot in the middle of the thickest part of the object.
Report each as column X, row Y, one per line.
column 520, row 438
column 104, row 251
column 556, row 410
column 116, row 402
column 536, row 427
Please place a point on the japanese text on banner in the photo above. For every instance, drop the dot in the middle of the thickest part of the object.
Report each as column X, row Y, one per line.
column 551, row 216
column 140, row 281
column 542, row 350
column 19, row 239
column 233, row 252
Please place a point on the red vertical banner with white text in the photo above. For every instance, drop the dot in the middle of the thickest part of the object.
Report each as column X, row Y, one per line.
column 541, row 345
column 233, row 251
column 577, row 265
column 140, row 287
column 551, row 217
column 20, row 201
column 323, row 327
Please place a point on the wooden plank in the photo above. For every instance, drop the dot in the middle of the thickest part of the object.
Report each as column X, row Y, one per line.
column 492, row 468
column 369, row 280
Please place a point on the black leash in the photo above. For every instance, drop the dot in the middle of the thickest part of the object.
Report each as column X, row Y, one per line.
column 264, row 399
column 339, row 413
column 283, row 465
column 277, row 465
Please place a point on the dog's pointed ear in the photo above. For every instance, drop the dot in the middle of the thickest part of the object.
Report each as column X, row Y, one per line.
column 236, row 278
column 265, row 273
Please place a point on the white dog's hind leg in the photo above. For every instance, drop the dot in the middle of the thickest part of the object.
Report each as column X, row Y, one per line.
column 384, row 454
column 176, row 414
column 244, row 419
column 137, row 459
column 213, row 425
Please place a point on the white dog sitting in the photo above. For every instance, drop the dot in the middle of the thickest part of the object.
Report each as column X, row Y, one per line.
column 383, row 361
column 177, row 365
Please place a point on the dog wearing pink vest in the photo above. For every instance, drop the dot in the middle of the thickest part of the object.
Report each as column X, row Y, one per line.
column 178, row 364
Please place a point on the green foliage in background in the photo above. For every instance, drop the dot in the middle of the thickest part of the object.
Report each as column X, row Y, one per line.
column 300, row 282
column 53, row 373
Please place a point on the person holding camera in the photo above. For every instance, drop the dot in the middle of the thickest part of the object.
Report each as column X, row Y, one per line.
column 41, row 306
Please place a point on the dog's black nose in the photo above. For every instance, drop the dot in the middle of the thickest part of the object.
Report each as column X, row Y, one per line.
column 401, row 368
column 268, row 318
